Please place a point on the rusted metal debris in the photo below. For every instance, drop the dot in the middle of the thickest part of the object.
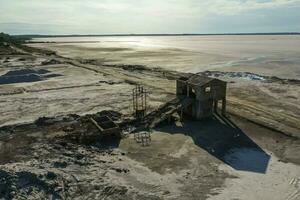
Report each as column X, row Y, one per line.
column 93, row 128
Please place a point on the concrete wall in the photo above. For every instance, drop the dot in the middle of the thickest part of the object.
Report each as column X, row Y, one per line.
column 205, row 95
column 180, row 87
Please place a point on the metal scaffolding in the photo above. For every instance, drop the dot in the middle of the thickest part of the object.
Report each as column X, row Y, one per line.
column 139, row 98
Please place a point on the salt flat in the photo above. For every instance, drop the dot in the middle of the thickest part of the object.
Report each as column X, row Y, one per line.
column 271, row 55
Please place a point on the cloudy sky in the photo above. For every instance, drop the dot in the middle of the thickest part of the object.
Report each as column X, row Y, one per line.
column 148, row 16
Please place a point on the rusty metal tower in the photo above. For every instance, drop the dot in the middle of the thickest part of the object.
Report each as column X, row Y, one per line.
column 139, row 99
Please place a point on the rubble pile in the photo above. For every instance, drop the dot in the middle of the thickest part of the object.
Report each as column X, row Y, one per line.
column 18, row 185
column 61, row 170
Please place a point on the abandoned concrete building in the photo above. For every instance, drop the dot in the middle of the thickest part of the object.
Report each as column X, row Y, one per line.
column 200, row 95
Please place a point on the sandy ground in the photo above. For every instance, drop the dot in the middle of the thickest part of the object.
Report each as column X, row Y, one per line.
column 271, row 185
column 76, row 90
column 190, row 160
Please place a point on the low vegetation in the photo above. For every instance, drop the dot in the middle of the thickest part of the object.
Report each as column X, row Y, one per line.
column 6, row 38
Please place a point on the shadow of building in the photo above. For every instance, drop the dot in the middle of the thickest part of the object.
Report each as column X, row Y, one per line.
column 223, row 139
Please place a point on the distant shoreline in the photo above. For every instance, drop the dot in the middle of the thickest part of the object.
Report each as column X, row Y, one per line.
column 126, row 35
column 58, row 42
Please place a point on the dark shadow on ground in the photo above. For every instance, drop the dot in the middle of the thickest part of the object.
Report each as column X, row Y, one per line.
column 26, row 76
column 104, row 143
column 108, row 142
column 223, row 139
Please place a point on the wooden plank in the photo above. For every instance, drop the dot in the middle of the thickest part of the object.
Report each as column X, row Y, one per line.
column 96, row 124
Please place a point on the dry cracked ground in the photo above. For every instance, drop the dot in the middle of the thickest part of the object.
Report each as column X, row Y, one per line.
column 252, row 154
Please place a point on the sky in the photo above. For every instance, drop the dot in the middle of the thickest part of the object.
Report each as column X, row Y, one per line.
column 148, row 16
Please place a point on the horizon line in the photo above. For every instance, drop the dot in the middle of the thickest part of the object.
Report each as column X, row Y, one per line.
column 158, row 34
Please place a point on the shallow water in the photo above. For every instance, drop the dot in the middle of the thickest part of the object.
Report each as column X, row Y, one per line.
column 268, row 55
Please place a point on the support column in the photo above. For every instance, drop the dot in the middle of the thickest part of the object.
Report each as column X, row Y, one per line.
column 215, row 102
column 181, row 114
column 198, row 112
column 224, row 106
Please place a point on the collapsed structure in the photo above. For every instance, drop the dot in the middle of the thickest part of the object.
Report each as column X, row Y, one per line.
column 200, row 95
column 196, row 96
column 106, row 125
